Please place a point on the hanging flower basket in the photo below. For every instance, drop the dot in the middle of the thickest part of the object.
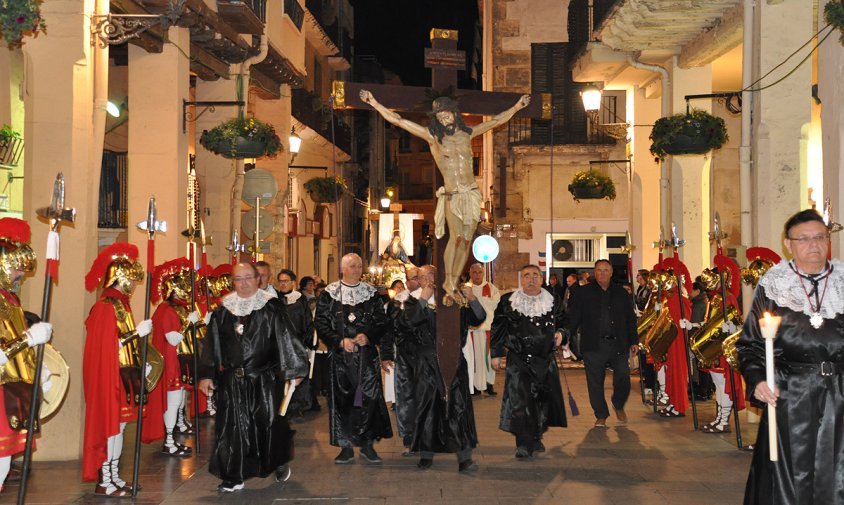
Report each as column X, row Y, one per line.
column 592, row 185
column 240, row 138
column 694, row 133
column 326, row 189
column 19, row 19
column 833, row 13
column 11, row 146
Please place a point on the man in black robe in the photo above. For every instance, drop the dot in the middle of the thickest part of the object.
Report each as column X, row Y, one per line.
column 350, row 320
column 302, row 326
column 434, row 423
column 248, row 354
column 528, row 325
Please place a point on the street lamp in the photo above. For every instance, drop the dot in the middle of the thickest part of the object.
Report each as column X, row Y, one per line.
column 295, row 143
column 591, row 97
column 385, row 202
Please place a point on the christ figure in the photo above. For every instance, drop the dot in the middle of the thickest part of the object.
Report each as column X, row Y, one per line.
column 459, row 199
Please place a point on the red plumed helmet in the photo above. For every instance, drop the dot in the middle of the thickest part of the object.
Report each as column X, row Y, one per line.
column 118, row 257
column 725, row 264
column 14, row 232
column 169, row 276
column 764, row 254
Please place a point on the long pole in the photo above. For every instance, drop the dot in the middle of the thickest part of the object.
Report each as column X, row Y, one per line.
column 195, row 392
column 729, row 369
column 56, row 213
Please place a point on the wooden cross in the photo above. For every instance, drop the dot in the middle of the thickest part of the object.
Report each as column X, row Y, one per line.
column 444, row 61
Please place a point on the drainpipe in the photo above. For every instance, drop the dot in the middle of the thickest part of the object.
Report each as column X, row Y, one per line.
column 237, row 186
column 664, row 183
column 745, row 162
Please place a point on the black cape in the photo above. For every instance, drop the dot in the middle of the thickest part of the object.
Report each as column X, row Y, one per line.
column 436, row 425
column 252, row 440
column 351, row 425
column 810, row 409
column 302, row 327
column 533, row 397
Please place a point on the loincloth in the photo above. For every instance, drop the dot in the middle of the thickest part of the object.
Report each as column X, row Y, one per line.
column 465, row 204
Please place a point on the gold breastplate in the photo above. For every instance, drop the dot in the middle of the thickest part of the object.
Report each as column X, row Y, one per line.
column 21, row 365
column 129, row 353
column 186, row 345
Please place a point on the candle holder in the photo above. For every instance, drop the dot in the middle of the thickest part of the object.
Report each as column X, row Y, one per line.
column 769, row 326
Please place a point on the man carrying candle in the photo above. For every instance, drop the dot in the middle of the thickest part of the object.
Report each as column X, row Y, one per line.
column 807, row 293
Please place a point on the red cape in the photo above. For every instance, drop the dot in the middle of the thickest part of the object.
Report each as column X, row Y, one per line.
column 105, row 399
column 164, row 319
column 677, row 375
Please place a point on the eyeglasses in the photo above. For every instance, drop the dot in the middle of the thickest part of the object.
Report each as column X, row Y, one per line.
column 817, row 239
column 243, row 279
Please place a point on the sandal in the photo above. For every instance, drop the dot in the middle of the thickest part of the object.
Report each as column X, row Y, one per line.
column 176, row 450
column 718, row 428
column 112, row 491
column 670, row 411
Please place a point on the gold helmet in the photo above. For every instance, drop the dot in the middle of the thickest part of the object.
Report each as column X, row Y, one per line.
column 761, row 259
column 117, row 263
column 171, row 279
column 16, row 257
column 220, row 280
column 711, row 281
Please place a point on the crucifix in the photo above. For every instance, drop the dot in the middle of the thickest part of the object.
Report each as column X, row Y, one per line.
column 459, row 198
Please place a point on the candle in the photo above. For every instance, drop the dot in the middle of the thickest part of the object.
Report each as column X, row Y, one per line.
column 769, row 325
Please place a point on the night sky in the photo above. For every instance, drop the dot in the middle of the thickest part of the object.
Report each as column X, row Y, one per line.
column 397, row 32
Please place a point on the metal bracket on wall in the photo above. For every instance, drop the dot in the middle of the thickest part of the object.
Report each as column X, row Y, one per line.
column 725, row 98
column 188, row 117
column 625, row 169
column 114, row 29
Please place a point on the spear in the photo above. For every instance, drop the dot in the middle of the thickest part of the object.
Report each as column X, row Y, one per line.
column 717, row 235
column 191, row 233
column 151, row 225
column 676, row 244
column 55, row 214
column 235, row 247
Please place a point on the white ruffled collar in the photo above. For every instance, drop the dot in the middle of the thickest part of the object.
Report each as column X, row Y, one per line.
column 244, row 306
column 784, row 287
column 532, row 306
column 292, row 296
column 350, row 295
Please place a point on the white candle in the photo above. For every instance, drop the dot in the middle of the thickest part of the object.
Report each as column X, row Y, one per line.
column 769, row 325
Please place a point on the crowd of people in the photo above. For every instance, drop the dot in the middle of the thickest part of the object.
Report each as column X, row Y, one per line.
column 264, row 349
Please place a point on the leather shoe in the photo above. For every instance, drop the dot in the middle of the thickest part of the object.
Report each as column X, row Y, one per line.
column 523, row 452
column 621, row 415
column 282, row 473
column 490, row 391
column 368, row 453
column 538, row 446
column 601, row 422
column 346, row 456
column 467, row 466
column 425, row 463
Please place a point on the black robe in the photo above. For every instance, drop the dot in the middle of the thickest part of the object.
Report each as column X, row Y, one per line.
column 533, row 397
column 302, row 326
column 436, row 425
column 252, row 440
column 402, row 348
column 810, row 409
column 351, row 425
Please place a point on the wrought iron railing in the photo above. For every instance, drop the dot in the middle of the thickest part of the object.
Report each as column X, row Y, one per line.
column 315, row 113
column 583, row 20
column 113, row 210
column 526, row 131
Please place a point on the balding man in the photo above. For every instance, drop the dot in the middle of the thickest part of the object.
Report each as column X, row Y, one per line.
column 481, row 374
column 350, row 319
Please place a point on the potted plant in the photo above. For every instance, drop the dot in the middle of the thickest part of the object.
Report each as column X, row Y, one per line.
column 591, row 184
column 19, row 19
column 694, row 133
column 242, row 138
column 833, row 13
column 326, row 189
column 11, row 146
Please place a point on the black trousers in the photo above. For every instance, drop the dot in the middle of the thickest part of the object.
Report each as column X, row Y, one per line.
column 596, row 363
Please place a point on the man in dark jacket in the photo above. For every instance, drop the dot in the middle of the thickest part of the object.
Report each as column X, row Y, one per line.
column 437, row 424
column 603, row 312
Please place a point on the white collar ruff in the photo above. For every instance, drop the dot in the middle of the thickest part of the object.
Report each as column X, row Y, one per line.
column 350, row 295
column 784, row 287
column 245, row 306
column 532, row 306
column 292, row 296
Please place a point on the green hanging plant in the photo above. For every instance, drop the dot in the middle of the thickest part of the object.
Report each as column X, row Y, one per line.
column 833, row 13
column 326, row 189
column 592, row 185
column 19, row 19
column 694, row 133
column 242, row 138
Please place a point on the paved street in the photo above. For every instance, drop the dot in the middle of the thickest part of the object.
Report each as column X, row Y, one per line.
column 653, row 461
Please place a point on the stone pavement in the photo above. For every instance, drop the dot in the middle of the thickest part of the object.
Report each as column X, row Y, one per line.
column 652, row 461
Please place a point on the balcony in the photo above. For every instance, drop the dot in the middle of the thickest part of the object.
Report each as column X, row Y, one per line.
column 245, row 16
column 314, row 113
column 329, row 22
column 563, row 130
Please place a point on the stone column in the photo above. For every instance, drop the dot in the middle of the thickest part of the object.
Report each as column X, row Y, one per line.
column 690, row 179
column 59, row 105
column 779, row 116
column 158, row 149
column 830, row 77
column 645, row 194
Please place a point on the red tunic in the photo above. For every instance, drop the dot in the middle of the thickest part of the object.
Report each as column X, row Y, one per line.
column 11, row 441
column 677, row 375
column 105, row 399
column 724, row 367
column 165, row 319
